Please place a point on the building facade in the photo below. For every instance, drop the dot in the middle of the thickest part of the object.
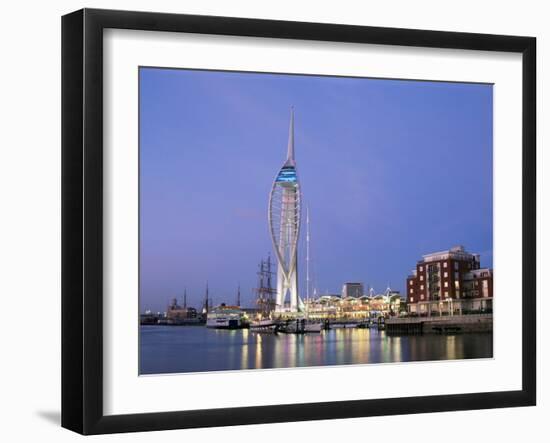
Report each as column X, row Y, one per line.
column 176, row 314
column 450, row 282
column 352, row 290
column 339, row 307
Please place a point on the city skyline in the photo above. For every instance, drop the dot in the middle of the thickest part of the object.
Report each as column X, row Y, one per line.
column 389, row 146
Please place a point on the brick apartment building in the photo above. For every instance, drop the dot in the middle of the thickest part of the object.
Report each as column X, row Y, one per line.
column 450, row 282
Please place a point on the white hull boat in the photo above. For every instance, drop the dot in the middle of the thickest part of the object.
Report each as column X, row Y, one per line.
column 300, row 326
column 264, row 325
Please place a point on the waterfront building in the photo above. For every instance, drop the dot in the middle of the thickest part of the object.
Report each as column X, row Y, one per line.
column 284, row 223
column 176, row 313
column 450, row 282
column 352, row 290
column 337, row 307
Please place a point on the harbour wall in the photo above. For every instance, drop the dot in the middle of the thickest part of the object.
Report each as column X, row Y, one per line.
column 440, row 325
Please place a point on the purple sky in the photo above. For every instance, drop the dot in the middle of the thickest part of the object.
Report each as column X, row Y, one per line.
column 390, row 170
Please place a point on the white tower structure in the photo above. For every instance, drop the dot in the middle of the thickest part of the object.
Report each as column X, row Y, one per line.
column 307, row 253
column 284, row 224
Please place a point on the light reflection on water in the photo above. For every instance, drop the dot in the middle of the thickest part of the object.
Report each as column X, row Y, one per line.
column 169, row 349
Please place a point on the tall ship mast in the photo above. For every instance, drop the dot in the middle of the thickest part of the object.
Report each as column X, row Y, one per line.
column 265, row 294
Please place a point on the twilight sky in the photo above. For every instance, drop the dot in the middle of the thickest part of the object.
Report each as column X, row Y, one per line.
column 390, row 170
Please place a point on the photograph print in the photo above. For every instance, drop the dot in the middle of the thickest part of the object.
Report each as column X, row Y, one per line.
column 294, row 221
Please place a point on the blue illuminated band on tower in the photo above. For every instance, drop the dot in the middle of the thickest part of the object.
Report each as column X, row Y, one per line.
column 287, row 174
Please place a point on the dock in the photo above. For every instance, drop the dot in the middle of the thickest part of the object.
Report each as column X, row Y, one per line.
column 452, row 324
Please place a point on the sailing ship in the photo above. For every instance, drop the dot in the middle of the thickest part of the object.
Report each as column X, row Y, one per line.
column 265, row 300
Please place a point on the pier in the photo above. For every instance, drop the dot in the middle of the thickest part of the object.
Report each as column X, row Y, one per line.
column 440, row 324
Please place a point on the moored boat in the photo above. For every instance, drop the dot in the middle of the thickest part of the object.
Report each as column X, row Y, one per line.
column 300, row 326
column 264, row 325
column 226, row 317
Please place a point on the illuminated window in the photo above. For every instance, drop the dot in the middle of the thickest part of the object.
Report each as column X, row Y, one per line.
column 411, row 283
column 446, row 284
column 412, row 300
column 421, row 278
column 446, row 294
column 421, row 287
column 421, row 268
column 445, row 274
column 444, row 264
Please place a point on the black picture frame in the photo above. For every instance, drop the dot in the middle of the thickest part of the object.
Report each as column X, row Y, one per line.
column 82, row 218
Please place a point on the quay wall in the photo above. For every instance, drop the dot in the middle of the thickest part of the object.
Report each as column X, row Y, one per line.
column 440, row 325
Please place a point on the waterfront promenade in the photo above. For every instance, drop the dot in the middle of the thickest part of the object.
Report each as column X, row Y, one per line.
column 440, row 324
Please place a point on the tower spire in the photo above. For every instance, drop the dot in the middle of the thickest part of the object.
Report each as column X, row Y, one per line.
column 206, row 300
column 307, row 253
column 284, row 223
column 290, row 152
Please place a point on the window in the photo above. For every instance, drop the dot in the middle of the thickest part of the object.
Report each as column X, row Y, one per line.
column 485, row 288
column 421, row 287
column 412, row 300
column 444, row 265
column 411, row 283
column 421, row 278
column 421, row 268
column 446, row 284
column 457, row 284
column 445, row 274
column 411, row 291
column 446, row 294
column 456, row 276
column 456, row 265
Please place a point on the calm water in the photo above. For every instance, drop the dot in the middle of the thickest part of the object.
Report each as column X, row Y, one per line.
column 166, row 349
